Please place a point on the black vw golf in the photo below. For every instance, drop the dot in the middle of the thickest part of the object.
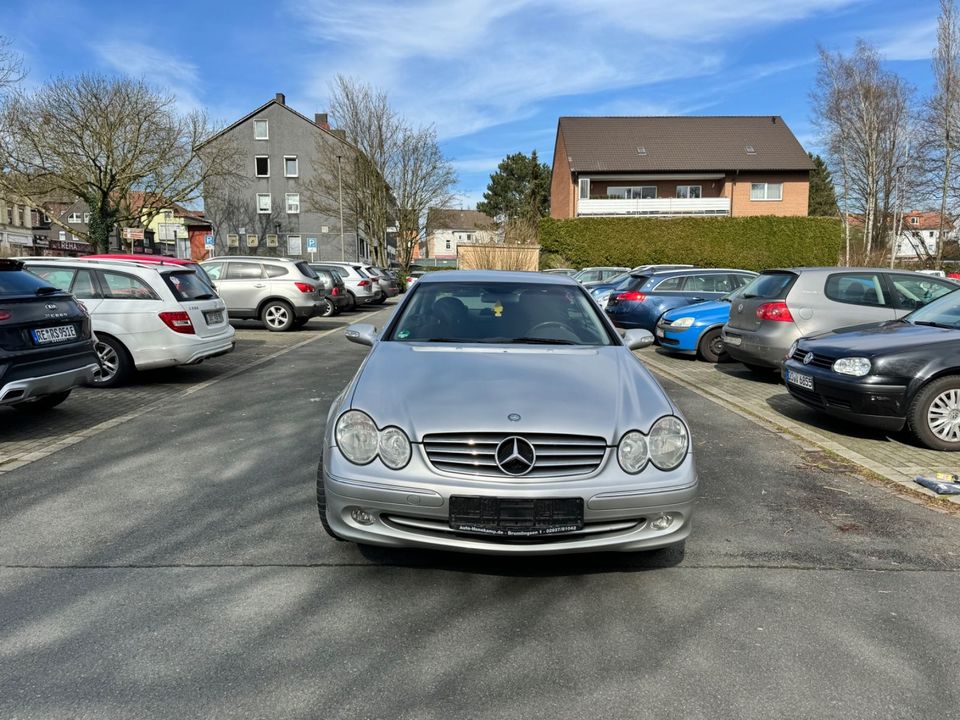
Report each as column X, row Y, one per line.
column 46, row 344
column 888, row 375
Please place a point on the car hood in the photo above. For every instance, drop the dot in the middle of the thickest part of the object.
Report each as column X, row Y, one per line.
column 425, row 389
column 878, row 339
column 704, row 312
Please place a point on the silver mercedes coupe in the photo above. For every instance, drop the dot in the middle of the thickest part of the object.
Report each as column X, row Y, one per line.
column 501, row 413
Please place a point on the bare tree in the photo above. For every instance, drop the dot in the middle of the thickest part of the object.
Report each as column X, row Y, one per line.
column 115, row 143
column 11, row 65
column 863, row 113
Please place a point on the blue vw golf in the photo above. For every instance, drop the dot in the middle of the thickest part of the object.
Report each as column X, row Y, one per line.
column 640, row 304
column 695, row 329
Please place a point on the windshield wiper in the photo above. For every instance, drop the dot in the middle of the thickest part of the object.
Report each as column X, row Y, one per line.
column 542, row 341
column 46, row 290
column 452, row 340
column 205, row 296
column 931, row 323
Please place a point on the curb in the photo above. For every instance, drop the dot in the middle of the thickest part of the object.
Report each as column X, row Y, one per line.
column 797, row 433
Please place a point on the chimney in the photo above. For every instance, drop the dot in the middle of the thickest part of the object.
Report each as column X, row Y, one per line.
column 281, row 98
column 321, row 120
column 340, row 133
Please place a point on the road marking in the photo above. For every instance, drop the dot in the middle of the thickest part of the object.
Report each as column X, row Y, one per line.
column 73, row 438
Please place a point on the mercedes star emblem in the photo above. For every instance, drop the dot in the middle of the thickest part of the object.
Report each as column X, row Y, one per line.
column 513, row 417
column 515, row 456
column 808, row 358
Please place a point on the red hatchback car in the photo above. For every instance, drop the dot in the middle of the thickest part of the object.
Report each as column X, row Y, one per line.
column 158, row 260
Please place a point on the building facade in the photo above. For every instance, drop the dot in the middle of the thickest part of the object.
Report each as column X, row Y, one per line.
column 266, row 212
column 447, row 227
column 678, row 166
column 919, row 235
column 16, row 229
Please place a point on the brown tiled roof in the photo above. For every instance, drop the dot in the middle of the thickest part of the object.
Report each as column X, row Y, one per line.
column 448, row 219
column 681, row 144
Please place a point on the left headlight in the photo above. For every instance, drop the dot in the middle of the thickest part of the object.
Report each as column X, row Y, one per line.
column 681, row 323
column 632, row 452
column 669, row 442
column 394, row 448
column 856, row 366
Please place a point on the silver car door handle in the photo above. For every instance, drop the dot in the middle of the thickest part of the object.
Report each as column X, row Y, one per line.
column 259, row 285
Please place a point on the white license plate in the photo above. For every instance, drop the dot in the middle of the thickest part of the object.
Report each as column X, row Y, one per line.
column 42, row 336
column 660, row 332
column 733, row 340
column 214, row 318
column 800, row 380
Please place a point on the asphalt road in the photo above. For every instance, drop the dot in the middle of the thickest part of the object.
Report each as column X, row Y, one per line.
column 175, row 568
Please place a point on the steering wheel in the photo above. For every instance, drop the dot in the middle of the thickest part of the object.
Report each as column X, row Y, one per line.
column 548, row 323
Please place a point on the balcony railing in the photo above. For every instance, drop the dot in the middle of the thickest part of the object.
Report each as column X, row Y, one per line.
column 659, row 206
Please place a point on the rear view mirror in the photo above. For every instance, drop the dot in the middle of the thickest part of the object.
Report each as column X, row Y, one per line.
column 364, row 334
column 636, row 339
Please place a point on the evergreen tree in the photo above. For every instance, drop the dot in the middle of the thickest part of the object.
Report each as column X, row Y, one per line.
column 823, row 197
column 518, row 190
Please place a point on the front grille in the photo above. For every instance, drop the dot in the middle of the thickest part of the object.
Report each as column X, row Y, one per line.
column 818, row 360
column 475, row 453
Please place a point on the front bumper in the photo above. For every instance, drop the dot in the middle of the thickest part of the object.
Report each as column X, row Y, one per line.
column 679, row 341
column 24, row 389
column 872, row 404
column 766, row 347
column 410, row 507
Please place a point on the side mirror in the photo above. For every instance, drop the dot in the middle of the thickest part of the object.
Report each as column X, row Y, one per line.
column 636, row 339
column 366, row 334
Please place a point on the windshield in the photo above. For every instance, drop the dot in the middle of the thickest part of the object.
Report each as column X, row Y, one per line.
column 769, row 286
column 500, row 312
column 16, row 282
column 188, row 285
column 944, row 312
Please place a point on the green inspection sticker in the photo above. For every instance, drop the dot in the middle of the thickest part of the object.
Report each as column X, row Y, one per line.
column 403, row 334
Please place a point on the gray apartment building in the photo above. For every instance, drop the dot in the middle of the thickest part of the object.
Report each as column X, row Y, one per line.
column 266, row 211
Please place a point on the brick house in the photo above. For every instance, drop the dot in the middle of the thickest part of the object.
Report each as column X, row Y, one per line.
column 920, row 234
column 446, row 227
column 678, row 166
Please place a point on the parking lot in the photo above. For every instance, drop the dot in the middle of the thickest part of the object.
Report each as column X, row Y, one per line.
column 178, row 569
column 895, row 457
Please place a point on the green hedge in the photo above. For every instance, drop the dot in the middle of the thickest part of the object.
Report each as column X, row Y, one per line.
column 752, row 243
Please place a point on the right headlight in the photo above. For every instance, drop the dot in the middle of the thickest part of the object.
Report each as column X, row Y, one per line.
column 357, row 437
column 668, row 441
column 394, row 448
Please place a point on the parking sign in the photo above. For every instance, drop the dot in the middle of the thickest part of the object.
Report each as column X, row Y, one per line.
column 208, row 241
column 311, row 244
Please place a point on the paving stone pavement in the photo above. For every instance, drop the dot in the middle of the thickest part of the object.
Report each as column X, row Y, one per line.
column 894, row 456
column 25, row 437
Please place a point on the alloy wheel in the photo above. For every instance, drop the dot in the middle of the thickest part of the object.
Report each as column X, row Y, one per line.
column 943, row 415
column 109, row 362
column 276, row 316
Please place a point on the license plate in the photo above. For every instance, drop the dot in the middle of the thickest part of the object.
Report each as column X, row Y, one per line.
column 515, row 517
column 214, row 317
column 733, row 340
column 42, row 336
column 659, row 332
column 800, row 380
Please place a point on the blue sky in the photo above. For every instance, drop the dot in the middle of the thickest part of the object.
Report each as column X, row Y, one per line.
column 492, row 76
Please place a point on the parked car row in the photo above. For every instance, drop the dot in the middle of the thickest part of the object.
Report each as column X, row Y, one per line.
column 879, row 347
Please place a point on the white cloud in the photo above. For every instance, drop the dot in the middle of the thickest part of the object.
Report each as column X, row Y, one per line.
column 913, row 42
column 157, row 66
column 482, row 64
column 476, row 165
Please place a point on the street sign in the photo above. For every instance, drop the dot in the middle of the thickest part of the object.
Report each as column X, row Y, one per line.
column 132, row 233
column 311, row 244
column 208, row 241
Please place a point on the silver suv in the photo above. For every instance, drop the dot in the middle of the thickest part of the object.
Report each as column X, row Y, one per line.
column 283, row 293
column 361, row 288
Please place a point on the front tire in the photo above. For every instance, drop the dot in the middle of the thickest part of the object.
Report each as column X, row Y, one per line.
column 710, row 347
column 277, row 316
column 322, row 503
column 44, row 402
column 934, row 414
column 116, row 365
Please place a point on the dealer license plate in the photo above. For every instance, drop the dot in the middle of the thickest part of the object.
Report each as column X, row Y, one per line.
column 799, row 379
column 214, row 317
column 515, row 517
column 733, row 340
column 42, row 336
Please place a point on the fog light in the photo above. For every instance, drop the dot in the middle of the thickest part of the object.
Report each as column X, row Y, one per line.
column 662, row 522
column 361, row 516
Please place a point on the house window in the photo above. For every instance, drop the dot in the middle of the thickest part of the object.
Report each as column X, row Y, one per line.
column 262, row 165
column 167, row 215
column 584, row 188
column 86, row 218
column 635, row 192
column 690, row 192
column 914, row 221
column 263, row 203
column 75, row 218
column 293, row 203
column 469, row 237
column 766, row 191
column 447, row 243
column 291, row 167
column 931, row 233
column 261, row 130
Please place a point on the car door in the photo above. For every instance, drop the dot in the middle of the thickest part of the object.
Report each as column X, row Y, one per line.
column 242, row 287
column 911, row 291
column 854, row 298
column 129, row 307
